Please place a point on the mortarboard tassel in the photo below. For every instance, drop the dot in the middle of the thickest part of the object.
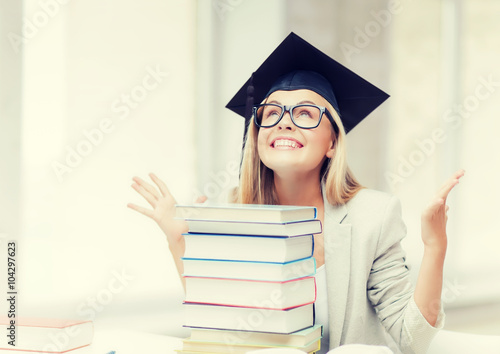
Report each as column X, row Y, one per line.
column 248, row 114
column 248, row 107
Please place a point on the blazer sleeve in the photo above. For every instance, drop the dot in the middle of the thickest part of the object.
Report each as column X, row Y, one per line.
column 390, row 290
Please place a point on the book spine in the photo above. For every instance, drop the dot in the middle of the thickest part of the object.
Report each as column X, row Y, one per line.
column 253, row 280
column 248, row 307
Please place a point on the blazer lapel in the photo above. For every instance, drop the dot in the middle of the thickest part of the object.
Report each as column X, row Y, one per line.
column 337, row 240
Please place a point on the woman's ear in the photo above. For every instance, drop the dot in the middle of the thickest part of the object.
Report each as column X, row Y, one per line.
column 331, row 150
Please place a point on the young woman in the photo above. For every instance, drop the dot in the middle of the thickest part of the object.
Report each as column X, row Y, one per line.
column 294, row 154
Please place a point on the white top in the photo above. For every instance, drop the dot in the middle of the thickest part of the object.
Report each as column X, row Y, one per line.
column 321, row 307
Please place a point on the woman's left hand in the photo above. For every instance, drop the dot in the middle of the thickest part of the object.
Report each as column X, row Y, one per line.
column 434, row 216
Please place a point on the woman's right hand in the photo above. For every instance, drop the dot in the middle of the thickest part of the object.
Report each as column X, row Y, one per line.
column 163, row 204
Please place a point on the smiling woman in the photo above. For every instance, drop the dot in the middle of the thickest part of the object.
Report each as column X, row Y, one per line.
column 287, row 161
column 312, row 144
column 292, row 156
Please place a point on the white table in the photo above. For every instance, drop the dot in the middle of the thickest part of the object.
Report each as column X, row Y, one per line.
column 124, row 342
column 130, row 342
column 121, row 341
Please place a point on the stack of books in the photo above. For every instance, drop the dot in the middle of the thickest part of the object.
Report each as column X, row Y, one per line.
column 249, row 276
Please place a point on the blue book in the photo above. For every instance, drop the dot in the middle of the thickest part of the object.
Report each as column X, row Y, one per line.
column 278, row 295
column 248, row 248
column 246, row 212
column 284, row 229
column 249, row 270
column 248, row 318
column 296, row 339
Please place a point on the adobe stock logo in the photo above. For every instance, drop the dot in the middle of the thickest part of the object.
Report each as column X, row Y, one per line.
column 95, row 304
column 59, row 341
column 122, row 107
column 32, row 26
column 223, row 6
column 455, row 118
column 363, row 36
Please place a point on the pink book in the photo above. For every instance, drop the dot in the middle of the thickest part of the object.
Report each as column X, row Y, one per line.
column 248, row 319
column 279, row 295
column 45, row 335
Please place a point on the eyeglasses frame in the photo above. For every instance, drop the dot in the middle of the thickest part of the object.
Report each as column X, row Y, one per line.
column 289, row 109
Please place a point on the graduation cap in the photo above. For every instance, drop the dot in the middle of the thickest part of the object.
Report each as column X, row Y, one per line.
column 295, row 64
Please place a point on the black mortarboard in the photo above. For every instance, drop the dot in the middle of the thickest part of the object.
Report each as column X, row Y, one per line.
column 296, row 64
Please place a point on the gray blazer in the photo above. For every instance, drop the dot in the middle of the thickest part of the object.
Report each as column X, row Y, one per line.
column 370, row 297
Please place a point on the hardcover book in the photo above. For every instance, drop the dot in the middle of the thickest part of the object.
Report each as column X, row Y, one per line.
column 287, row 229
column 249, row 319
column 246, row 212
column 213, row 347
column 251, row 293
column 44, row 335
column 296, row 339
column 247, row 248
column 249, row 270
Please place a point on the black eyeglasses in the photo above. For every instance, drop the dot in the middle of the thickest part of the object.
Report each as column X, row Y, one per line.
column 304, row 116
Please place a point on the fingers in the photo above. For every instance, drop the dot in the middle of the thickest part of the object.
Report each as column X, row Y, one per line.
column 161, row 185
column 437, row 210
column 144, row 211
column 450, row 183
column 447, row 188
column 433, row 207
column 147, row 187
column 201, row 199
column 149, row 198
column 459, row 173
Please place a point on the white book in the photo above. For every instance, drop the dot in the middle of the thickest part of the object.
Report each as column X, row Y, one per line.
column 191, row 346
column 287, row 229
column 251, row 293
column 249, row 270
column 44, row 335
column 249, row 319
column 248, row 248
column 296, row 339
column 245, row 212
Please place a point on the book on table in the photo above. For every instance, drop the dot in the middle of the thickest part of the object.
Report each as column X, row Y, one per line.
column 297, row 339
column 249, row 270
column 287, row 229
column 222, row 347
column 275, row 350
column 279, row 295
column 245, row 212
column 248, row 248
column 45, row 335
column 248, row 318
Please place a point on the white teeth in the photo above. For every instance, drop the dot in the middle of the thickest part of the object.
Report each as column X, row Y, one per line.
column 291, row 143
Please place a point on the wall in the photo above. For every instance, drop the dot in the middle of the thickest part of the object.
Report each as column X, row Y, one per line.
column 108, row 93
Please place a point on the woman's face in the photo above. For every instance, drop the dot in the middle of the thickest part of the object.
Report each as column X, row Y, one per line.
column 285, row 148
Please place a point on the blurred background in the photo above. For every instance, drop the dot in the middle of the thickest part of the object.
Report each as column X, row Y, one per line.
column 93, row 93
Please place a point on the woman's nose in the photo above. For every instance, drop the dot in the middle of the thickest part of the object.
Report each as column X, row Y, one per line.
column 286, row 122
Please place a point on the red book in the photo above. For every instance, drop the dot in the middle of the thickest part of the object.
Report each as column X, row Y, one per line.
column 280, row 295
column 249, row 319
column 45, row 335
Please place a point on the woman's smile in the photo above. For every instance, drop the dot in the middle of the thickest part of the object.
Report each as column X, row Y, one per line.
column 286, row 143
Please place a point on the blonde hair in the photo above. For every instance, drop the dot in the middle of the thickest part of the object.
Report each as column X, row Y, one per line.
column 257, row 180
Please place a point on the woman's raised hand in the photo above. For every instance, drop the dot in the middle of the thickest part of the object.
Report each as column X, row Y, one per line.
column 163, row 204
column 434, row 217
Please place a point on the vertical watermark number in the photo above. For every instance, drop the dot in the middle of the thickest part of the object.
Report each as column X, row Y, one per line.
column 11, row 292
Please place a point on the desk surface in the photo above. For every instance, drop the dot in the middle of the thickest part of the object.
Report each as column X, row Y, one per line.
column 124, row 342
column 130, row 342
